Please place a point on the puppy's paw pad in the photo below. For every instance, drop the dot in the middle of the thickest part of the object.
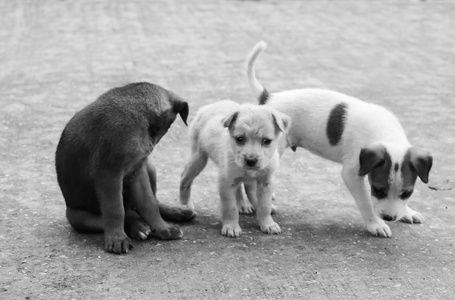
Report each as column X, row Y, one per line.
column 117, row 243
column 169, row 233
column 413, row 217
column 246, row 209
column 231, row 230
column 271, row 229
column 379, row 228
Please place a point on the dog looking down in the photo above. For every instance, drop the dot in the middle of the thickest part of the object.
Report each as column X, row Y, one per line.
column 242, row 140
column 365, row 138
column 104, row 170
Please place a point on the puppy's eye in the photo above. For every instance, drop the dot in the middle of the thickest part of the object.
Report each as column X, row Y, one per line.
column 405, row 195
column 379, row 193
column 266, row 142
column 240, row 140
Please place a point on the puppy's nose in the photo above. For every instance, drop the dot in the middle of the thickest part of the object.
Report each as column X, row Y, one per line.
column 251, row 162
column 388, row 218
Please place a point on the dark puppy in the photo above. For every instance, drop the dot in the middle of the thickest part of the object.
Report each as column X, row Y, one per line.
column 103, row 169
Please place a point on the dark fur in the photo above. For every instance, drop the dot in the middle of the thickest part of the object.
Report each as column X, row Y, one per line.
column 103, row 170
column 265, row 95
column 335, row 124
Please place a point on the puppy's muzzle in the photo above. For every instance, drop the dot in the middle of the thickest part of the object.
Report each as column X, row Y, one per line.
column 251, row 162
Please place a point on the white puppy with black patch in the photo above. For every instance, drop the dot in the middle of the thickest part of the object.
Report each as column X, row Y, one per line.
column 242, row 140
column 365, row 138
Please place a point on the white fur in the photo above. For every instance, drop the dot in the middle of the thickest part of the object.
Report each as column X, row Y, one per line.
column 365, row 125
column 210, row 138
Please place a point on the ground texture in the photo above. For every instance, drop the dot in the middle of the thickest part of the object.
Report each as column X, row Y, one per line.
column 57, row 56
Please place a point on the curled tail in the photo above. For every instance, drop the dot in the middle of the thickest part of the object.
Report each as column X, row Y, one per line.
column 257, row 88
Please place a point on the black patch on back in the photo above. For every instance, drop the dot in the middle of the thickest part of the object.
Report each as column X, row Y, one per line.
column 335, row 124
column 264, row 97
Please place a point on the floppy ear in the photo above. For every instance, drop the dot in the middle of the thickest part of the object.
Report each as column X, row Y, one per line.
column 281, row 121
column 183, row 111
column 229, row 121
column 370, row 158
column 421, row 163
column 180, row 107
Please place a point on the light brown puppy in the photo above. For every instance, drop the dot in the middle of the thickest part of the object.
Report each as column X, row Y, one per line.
column 242, row 140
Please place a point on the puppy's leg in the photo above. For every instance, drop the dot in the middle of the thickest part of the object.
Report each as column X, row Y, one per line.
column 135, row 226
column 168, row 212
column 356, row 185
column 251, row 192
column 264, row 207
column 84, row 221
column 242, row 205
column 148, row 206
column 412, row 216
column 108, row 188
column 229, row 212
column 193, row 168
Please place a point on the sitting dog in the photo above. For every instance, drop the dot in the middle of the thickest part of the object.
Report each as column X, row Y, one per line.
column 103, row 169
column 242, row 140
column 365, row 138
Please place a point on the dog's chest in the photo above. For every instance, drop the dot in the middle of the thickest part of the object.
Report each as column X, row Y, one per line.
column 247, row 177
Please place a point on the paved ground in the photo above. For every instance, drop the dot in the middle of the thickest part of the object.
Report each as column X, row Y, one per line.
column 57, row 56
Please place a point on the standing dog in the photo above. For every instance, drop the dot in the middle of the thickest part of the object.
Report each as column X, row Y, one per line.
column 103, row 169
column 365, row 138
column 242, row 140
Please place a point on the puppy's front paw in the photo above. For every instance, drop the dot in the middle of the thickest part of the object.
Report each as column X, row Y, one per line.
column 246, row 209
column 273, row 228
column 231, row 230
column 169, row 233
column 117, row 242
column 379, row 228
column 412, row 217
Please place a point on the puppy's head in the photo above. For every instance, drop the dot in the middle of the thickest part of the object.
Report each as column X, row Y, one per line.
column 166, row 109
column 254, row 135
column 392, row 172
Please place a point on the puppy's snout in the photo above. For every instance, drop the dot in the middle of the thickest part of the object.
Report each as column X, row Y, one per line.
column 388, row 218
column 251, row 162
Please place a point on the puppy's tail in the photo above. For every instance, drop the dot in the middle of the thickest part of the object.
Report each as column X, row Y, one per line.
column 258, row 89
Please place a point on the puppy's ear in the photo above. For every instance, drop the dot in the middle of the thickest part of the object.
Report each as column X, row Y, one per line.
column 421, row 163
column 281, row 121
column 180, row 107
column 229, row 121
column 370, row 158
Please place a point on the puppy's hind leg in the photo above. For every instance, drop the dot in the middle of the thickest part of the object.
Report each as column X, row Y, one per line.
column 242, row 205
column 193, row 168
column 84, row 221
column 356, row 185
column 168, row 212
column 251, row 192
